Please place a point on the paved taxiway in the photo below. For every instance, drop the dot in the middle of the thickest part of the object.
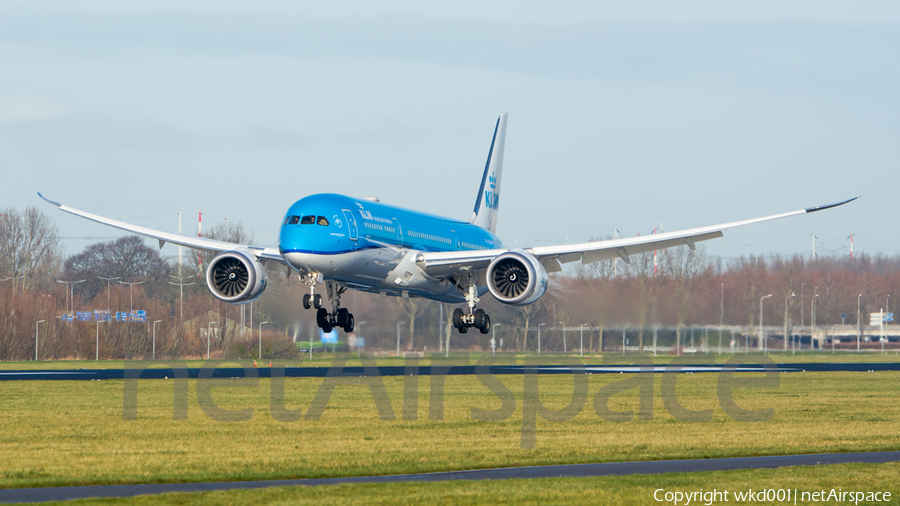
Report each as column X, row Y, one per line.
column 321, row 372
column 560, row 471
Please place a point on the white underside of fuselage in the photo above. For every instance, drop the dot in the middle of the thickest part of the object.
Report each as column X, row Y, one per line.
column 388, row 271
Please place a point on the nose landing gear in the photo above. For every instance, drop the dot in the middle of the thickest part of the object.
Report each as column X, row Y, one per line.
column 340, row 317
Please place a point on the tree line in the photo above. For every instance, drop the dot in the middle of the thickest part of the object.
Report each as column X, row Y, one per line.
column 677, row 287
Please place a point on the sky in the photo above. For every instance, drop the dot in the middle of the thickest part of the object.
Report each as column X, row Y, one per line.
column 620, row 116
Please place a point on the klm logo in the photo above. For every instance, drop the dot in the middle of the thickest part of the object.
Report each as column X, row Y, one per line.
column 491, row 200
column 493, row 181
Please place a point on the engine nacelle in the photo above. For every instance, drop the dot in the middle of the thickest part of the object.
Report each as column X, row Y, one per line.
column 236, row 277
column 516, row 278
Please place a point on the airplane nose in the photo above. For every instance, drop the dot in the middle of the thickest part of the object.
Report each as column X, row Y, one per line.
column 296, row 245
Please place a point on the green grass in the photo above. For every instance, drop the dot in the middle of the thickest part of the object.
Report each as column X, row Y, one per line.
column 72, row 433
column 625, row 490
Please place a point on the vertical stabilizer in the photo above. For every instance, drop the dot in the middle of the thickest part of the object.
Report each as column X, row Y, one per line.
column 487, row 204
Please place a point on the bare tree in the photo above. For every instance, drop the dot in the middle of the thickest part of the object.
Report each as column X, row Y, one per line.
column 29, row 247
column 687, row 271
column 226, row 231
column 128, row 258
column 640, row 271
column 603, row 271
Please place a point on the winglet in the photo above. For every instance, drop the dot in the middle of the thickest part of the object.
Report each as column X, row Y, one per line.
column 57, row 204
column 829, row 206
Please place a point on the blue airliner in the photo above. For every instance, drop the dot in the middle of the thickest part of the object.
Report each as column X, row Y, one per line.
column 342, row 243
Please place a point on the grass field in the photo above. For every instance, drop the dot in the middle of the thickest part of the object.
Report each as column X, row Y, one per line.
column 73, row 433
column 630, row 490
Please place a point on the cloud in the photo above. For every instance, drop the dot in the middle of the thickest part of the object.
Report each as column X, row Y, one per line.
column 85, row 132
column 271, row 138
column 773, row 53
column 28, row 106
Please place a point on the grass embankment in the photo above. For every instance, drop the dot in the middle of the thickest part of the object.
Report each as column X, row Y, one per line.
column 73, row 433
column 593, row 358
column 627, row 490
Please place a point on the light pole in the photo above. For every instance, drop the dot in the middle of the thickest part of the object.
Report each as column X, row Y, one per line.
column 36, row 338
column 260, row 338
column 582, row 338
column 97, row 350
column 14, row 280
column 539, row 338
column 813, row 320
column 66, row 283
column 208, row 332
column 154, row 338
column 494, row 339
column 761, row 340
column 180, row 284
column 132, row 295
column 71, row 288
column 108, row 280
column 791, row 296
column 801, row 304
column 565, row 350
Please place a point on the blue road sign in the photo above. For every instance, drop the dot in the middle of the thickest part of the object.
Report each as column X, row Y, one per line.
column 121, row 316
column 101, row 315
column 329, row 338
column 139, row 316
column 68, row 317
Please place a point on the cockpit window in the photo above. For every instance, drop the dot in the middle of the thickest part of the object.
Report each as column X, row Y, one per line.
column 308, row 220
column 323, row 221
column 292, row 220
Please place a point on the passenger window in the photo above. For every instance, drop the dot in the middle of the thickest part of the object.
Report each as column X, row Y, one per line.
column 308, row 220
column 293, row 220
column 323, row 221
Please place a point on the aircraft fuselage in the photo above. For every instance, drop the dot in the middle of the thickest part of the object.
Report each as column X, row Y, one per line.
column 371, row 246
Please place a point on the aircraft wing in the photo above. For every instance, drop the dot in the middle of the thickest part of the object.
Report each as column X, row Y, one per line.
column 441, row 264
column 200, row 243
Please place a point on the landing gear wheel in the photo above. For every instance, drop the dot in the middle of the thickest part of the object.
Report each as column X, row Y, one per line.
column 342, row 315
column 317, row 301
column 479, row 318
column 306, row 303
column 349, row 323
column 457, row 318
column 327, row 328
column 486, row 325
column 322, row 318
column 463, row 329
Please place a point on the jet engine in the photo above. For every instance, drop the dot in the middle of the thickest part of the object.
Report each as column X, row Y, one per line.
column 516, row 278
column 236, row 277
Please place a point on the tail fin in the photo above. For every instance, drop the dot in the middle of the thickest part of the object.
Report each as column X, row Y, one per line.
column 487, row 204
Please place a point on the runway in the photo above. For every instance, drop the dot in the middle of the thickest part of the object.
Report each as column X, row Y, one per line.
column 321, row 372
column 559, row 471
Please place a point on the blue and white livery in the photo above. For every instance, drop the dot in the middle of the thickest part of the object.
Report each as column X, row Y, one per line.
column 340, row 243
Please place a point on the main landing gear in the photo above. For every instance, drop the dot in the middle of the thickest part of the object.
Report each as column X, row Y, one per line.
column 340, row 317
column 476, row 318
